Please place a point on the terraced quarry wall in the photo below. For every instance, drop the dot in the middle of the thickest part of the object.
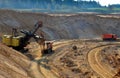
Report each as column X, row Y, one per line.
column 62, row 26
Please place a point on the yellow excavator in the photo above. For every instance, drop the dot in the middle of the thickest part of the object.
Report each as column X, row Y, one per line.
column 18, row 42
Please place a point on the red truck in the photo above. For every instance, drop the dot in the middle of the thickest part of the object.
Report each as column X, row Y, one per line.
column 109, row 36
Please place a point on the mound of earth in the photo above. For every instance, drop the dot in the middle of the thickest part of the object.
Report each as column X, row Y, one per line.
column 61, row 26
column 13, row 64
column 111, row 55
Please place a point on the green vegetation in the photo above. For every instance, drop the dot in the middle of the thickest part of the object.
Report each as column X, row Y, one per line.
column 58, row 6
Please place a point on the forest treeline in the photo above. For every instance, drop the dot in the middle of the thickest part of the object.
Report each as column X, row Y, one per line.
column 58, row 5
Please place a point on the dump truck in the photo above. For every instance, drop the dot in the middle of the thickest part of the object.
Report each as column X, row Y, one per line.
column 109, row 37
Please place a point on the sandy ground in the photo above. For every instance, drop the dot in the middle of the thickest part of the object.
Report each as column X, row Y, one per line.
column 75, row 58
column 13, row 64
column 90, row 59
column 84, row 62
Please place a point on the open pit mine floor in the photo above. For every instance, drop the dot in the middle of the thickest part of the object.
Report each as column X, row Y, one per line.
column 72, row 59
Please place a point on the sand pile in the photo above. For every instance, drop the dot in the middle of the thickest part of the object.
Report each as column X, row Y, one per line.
column 13, row 64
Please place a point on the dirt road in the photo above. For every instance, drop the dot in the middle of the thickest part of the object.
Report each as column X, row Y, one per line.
column 85, row 62
column 39, row 66
column 43, row 68
column 96, row 65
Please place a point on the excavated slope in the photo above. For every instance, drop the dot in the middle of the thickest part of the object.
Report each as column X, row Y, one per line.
column 62, row 26
column 13, row 64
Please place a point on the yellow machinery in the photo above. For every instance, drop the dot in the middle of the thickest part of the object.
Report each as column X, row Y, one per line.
column 15, row 41
column 19, row 42
column 7, row 39
column 10, row 40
